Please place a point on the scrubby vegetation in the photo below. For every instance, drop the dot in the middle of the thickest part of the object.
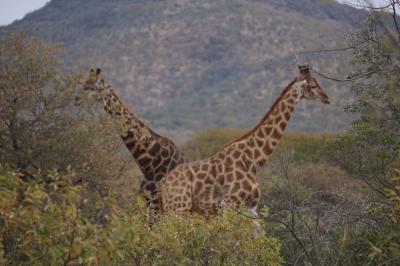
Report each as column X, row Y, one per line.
column 68, row 187
column 51, row 223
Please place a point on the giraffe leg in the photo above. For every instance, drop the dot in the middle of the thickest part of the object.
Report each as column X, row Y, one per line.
column 257, row 229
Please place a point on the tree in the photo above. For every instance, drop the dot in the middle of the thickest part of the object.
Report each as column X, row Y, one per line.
column 370, row 148
column 39, row 128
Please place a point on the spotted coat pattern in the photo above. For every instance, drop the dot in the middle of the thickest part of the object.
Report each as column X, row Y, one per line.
column 155, row 155
column 228, row 178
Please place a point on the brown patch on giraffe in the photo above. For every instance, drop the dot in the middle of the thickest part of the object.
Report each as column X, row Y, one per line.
column 130, row 145
column 165, row 153
column 128, row 135
column 240, row 165
column 249, row 153
column 229, row 177
column 246, row 185
column 235, row 187
column 236, row 154
column 242, row 195
column 277, row 119
column 267, row 149
column 178, row 198
column 155, row 149
column 157, row 162
column 268, row 130
column 260, row 143
column 228, row 162
column 282, row 125
column 290, row 101
column 260, row 134
column 201, row 176
column 235, row 200
column 220, row 167
column 286, row 115
column 239, row 175
column 144, row 161
column 205, row 167
column 257, row 153
column 221, row 180
column 197, row 188
column 205, row 194
column 241, row 146
column 276, row 134
column 251, row 143
column 209, row 181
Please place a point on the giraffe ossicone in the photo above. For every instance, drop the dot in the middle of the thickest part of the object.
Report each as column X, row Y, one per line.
column 228, row 178
column 155, row 155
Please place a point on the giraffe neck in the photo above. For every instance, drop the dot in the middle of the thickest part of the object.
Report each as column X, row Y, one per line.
column 128, row 123
column 261, row 142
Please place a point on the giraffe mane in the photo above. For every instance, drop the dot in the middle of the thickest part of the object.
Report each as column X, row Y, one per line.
column 245, row 135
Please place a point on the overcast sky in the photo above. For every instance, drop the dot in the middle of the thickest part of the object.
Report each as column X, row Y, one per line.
column 11, row 10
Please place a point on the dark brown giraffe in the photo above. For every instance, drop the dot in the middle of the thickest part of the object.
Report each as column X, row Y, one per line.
column 155, row 155
column 228, row 178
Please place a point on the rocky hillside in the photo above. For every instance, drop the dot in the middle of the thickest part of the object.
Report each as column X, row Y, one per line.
column 187, row 65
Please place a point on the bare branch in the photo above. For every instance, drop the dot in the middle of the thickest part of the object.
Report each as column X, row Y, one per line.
column 336, row 49
column 344, row 80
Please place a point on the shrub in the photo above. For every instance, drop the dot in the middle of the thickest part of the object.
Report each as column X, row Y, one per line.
column 45, row 223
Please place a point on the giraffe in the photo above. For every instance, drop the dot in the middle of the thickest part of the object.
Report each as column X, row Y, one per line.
column 228, row 178
column 155, row 155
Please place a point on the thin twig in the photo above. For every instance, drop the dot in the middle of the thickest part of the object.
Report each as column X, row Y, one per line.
column 336, row 49
column 344, row 80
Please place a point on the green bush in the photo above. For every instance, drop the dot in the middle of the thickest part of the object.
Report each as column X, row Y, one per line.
column 45, row 223
column 384, row 240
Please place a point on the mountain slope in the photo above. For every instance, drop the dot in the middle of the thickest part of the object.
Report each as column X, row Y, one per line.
column 186, row 65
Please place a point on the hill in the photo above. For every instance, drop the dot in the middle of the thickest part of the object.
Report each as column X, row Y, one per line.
column 187, row 65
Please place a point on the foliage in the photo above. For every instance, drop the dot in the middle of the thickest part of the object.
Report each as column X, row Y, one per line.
column 313, row 207
column 367, row 152
column 40, row 130
column 45, row 224
column 370, row 149
column 384, row 242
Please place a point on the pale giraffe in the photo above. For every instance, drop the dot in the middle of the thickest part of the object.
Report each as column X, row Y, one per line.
column 228, row 178
column 155, row 155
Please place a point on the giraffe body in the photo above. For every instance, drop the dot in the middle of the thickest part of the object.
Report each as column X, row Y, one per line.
column 228, row 178
column 155, row 155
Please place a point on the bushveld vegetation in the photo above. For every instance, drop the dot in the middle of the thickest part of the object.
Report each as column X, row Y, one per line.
column 68, row 187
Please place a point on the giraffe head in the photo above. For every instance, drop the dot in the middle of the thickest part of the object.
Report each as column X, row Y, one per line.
column 93, row 86
column 309, row 87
